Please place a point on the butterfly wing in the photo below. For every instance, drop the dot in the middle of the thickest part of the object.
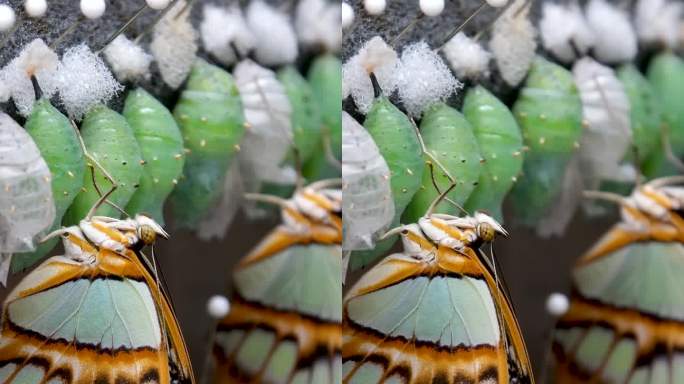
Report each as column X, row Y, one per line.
column 409, row 321
column 77, row 322
column 626, row 318
column 284, row 324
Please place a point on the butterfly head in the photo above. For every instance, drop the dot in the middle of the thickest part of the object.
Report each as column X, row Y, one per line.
column 487, row 227
column 148, row 230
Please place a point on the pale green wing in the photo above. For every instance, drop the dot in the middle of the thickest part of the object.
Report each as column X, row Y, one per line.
column 301, row 278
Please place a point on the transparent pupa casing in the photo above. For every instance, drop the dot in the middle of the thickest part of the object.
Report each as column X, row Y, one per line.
column 110, row 140
column 211, row 120
column 549, row 112
column 367, row 196
column 501, row 146
column 396, row 139
column 59, row 145
column 666, row 74
column 27, row 208
column 161, row 146
column 267, row 112
column 449, row 137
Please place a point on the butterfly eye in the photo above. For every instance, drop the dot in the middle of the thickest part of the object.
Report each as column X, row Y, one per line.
column 147, row 234
column 404, row 232
column 486, row 232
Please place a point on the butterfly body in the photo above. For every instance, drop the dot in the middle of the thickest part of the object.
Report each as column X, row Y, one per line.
column 92, row 315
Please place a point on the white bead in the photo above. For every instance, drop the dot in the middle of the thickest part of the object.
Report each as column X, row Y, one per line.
column 157, row 4
column 218, row 306
column 431, row 7
column 92, row 9
column 557, row 304
column 347, row 15
column 35, row 8
column 497, row 3
column 7, row 17
column 374, row 7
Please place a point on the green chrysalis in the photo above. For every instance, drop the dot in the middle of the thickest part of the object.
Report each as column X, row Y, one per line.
column 396, row 139
column 500, row 142
column 449, row 137
column 210, row 116
column 666, row 74
column 161, row 145
column 549, row 111
column 110, row 140
column 58, row 143
column 646, row 116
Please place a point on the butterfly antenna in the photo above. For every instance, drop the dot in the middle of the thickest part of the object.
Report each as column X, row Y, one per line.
column 156, row 21
column 269, row 199
column 669, row 152
column 664, row 181
column 55, row 43
column 465, row 22
column 123, row 28
column 606, row 196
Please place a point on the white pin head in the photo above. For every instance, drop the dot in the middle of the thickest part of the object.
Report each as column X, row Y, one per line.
column 375, row 7
column 218, row 306
column 347, row 15
column 557, row 304
column 157, row 4
column 35, row 8
column 93, row 9
column 7, row 17
column 431, row 7
column 497, row 3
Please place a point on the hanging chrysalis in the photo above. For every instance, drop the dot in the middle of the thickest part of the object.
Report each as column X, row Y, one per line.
column 549, row 112
column 367, row 196
column 325, row 77
column 498, row 136
column 645, row 114
column 306, row 117
column 607, row 135
column 59, row 145
column 449, row 137
column 27, row 208
column 267, row 111
column 209, row 114
column 396, row 139
column 666, row 74
column 161, row 147
column 110, row 140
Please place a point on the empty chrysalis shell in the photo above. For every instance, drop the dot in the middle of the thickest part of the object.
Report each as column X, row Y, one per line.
column 449, row 137
column 549, row 112
column 645, row 113
column 498, row 136
column 210, row 116
column 396, row 139
column 27, row 208
column 161, row 146
column 367, row 196
column 666, row 74
column 306, row 117
column 110, row 140
column 59, row 145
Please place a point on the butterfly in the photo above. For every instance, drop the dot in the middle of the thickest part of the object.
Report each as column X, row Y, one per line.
column 285, row 320
column 434, row 313
column 625, row 323
column 95, row 314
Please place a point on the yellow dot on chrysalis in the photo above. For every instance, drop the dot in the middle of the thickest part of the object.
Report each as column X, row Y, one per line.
column 404, row 190
column 84, row 189
column 177, row 156
column 247, row 125
column 542, row 140
column 186, row 150
column 522, row 114
column 143, row 162
column 65, row 193
column 542, row 116
column 155, row 180
column 155, row 158
column 516, row 153
column 184, row 117
column 203, row 143
column 237, row 147
column 493, row 156
column 409, row 171
column 174, row 181
column 585, row 123
column 576, row 145
column 71, row 174
column 204, row 119
column 514, row 179
column 495, row 178
column 47, row 179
